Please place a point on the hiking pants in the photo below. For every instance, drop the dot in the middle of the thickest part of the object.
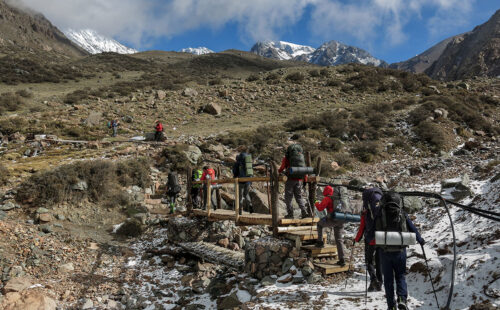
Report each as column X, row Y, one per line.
column 195, row 196
column 245, row 200
column 115, row 131
column 373, row 263
column 158, row 135
column 338, row 233
column 293, row 188
column 394, row 268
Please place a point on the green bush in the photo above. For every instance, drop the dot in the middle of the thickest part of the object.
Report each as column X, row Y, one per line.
column 216, row 81
column 11, row 125
column 4, row 175
column 253, row 77
column 176, row 156
column 366, row 151
column 333, row 83
column 10, row 102
column 295, row 77
column 314, row 73
column 433, row 134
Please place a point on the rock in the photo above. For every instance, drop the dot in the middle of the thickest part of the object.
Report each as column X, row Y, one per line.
column 411, row 204
column 80, row 186
column 128, row 119
column 472, row 145
column 161, row 94
column 46, row 228
column 66, row 267
column 416, row 170
column 287, row 264
column 2, row 215
column 17, row 137
column 223, row 93
column 234, row 246
column 45, row 217
column 189, row 92
column 212, row 108
column 259, row 202
column 42, row 210
column 94, row 119
column 314, row 278
column 142, row 217
column 335, row 166
column 456, row 189
column 440, row 113
column 435, row 89
column 240, row 240
column 193, row 154
column 463, row 85
column 230, row 302
column 131, row 228
column 307, row 271
column 285, row 279
column 268, row 280
column 87, row 304
column 17, row 284
column 60, row 217
column 358, row 182
column 28, row 300
column 8, row 206
column 223, row 242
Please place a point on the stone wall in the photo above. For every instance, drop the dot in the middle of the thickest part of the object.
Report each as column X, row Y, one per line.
column 269, row 256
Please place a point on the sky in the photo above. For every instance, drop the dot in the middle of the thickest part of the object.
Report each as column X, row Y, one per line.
column 392, row 30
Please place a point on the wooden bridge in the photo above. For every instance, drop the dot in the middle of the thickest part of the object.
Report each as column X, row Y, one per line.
column 301, row 231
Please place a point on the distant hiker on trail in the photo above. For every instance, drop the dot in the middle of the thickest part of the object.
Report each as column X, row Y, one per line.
column 387, row 220
column 330, row 221
column 242, row 168
column 158, row 131
column 208, row 174
column 294, row 157
column 173, row 189
column 113, row 124
column 371, row 197
column 195, row 189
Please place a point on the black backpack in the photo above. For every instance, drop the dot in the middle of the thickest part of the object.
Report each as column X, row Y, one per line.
column 391, row 216
column 245, row 165
column 295, row 155
column 173, row 184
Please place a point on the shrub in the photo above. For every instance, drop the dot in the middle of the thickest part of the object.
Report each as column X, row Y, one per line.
column 10, row 102
column 273, row 76
column 344, row 160
column 101, row 177
column 324, row 72
column 11, row 125
column 24, row 93
column 4, row 175
column 216, row 81
column 314, row 73
column 296, row 77
column 433, row 134
column 333, row 83
column 176, row 156
column 366, row 151
column 253, row 77
column 76, row 96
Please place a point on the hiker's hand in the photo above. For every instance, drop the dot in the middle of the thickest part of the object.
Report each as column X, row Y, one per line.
column 353, row 243
column 422, row 241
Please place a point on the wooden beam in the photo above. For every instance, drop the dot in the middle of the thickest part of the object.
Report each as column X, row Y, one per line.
column 209, row 197
column 189, row 186
column 330, row 268
column 268, row 175
column 242, row 180
column 275, row 185
column 306, row 221
column 237, row 200
column 295, row 228
column 219, row 198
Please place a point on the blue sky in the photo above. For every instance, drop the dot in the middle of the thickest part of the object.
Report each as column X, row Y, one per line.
column 392, row 30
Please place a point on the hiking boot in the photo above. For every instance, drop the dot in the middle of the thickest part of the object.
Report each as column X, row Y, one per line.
column 378, row 286
column 304, row 214
column 341, row 263
column 319, row 244
column 372, row 287
column 289, row 216
column 402, row 303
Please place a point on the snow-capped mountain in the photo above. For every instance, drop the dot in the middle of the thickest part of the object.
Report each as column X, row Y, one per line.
column 329, row 54
column 335, row 53
column 197, row 50
column 95, row 43
column 281, row 50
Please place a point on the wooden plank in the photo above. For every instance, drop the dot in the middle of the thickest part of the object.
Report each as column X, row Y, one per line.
column 237, row 200
column 217, row 191
column 331, row 268
column 189, row 204
column 209, row 197
column 219, row 214
column 275, row 216
column 306, row 221
column 255, row 219
column 294, row 228
column 328, row 249
column 242, row 180
column 303, row 235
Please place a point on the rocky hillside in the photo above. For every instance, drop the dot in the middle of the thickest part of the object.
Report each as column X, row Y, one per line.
column 21, row 29
column 95, row 43
column 476, row 53
column 423, row 61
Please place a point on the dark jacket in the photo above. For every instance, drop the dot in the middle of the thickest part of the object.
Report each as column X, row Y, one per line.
column 237, row 164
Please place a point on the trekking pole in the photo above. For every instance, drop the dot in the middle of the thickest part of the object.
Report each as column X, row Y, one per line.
column 430, row 276
column 366, row 283
column 350, row 261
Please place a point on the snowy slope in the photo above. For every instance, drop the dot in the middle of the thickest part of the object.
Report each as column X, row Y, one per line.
column 281, row 50
column 336, row 53
column 95, row 43
column 197, row 50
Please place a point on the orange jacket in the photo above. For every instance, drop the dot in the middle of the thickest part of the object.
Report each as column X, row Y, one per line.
column 210, row 172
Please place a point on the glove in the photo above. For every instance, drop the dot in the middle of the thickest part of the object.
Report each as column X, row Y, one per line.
column 422, row 242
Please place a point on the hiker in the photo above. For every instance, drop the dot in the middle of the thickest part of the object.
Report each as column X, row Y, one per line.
column 294, row 157
column 114, row 126
column 389, row 216
column 330, row 221
column 158, row 131
column 173, row 189
column 243, row 168
column 371, row 197
column 208, row 174
column 195, row 189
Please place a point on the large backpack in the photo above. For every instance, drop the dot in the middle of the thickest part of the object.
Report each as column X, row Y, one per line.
column 196, row 176
column 295, row 155
column 245, row 165
column 173, row 184
column 391, row 217
column 340, row 200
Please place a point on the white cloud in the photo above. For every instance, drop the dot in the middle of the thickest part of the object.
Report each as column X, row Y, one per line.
column 142, row 21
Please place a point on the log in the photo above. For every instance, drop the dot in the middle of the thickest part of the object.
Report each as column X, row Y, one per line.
column 189, row 205
column 219, row 198
column 295, row 228
column 209, row 197
column 237, row 200
column 275, row 189
column 242, row 180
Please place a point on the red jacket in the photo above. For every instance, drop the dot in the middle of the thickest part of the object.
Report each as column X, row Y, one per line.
column 210, row 172
column 361, row 229
column 159, row 127
column 327, row 202
column 285, row 164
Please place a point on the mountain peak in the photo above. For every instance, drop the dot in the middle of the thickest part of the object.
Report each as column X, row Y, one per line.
column 280, row 50
column 197, row 50
column 95, row 43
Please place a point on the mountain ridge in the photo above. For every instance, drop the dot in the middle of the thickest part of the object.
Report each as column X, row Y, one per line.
column 94, row 43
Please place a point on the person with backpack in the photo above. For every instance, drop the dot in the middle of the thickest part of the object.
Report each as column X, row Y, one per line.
column 113, row 124
column 158, row 131
column 195, row 189
column 243, row 168
column 173, row 189
column 371, row 197
column 329, row 220
column 294, row 157
column 208, row 174
column 389, row 217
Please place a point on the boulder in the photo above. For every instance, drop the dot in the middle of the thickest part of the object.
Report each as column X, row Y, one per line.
column 17, row 285
column 2, row 215
column 28, row 300
column 66, row 267
column 268, row 280
column 161, row 94
column 80, row 186
column 229, row 302
column 259, row 202
column 45, row 217
column 212, row 108
column 94, row 119
column 8, row 206
column 456, row 189
column 193, row 154
column 411, row 204
column 463, row 85
column 189, row 92
column 17, row 137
